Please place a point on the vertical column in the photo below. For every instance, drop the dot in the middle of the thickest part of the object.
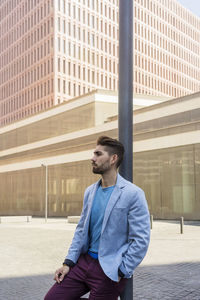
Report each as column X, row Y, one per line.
column 125, row 103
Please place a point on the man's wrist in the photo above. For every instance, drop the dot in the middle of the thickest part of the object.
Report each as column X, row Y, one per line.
column 68, row 262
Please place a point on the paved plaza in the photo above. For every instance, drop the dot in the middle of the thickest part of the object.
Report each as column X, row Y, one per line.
column 31, row 251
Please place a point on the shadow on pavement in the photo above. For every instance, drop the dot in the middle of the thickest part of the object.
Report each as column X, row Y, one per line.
column 175, row 282
column 25, row 288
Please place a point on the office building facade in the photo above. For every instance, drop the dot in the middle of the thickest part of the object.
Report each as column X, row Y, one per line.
column 52, row 51
column 61, row 141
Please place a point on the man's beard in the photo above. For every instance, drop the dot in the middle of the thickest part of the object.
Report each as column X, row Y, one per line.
column 97, row 170
column 100, row 170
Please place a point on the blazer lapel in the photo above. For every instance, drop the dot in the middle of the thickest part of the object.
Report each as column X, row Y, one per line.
column 113, row 199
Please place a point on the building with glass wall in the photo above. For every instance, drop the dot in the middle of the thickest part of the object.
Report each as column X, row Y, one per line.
column 166, row 156
column 52, row 51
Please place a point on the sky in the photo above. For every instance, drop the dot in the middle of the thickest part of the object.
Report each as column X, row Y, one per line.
column 193, row 5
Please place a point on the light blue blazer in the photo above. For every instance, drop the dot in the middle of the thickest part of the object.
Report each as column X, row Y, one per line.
column 125, row 231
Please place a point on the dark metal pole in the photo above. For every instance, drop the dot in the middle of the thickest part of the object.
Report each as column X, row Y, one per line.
column 125, row 103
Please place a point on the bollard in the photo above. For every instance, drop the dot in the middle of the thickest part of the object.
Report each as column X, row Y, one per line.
column 151, row 219
column 181, row 224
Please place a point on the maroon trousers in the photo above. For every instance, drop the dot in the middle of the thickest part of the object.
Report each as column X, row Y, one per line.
column 87, row 275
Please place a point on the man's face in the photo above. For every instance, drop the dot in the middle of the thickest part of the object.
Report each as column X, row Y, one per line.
column 101, row 160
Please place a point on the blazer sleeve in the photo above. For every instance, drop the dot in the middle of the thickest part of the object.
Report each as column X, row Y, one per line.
column 76, row 246
column 138, row 235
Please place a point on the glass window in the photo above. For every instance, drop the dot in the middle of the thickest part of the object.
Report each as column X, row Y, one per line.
column 58, row 85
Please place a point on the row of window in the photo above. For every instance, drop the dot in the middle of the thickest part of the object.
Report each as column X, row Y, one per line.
column 90, row 77
column 85, row 54
column 166, row 69
column 27, row 111
column 98, row 6
column 167, row 34
column 19, row 11
column 161, row 83
column 28, row 97
column 161, row 90
column 29, row 40
column 73, row 90
column 25, row 62
column 69, row 89
column 77, row 49
column 27, row 79
column 81, row 15
column 167, row 38
column 95, row 60
column 164, row 55
column 172, row 7
column 78, row 31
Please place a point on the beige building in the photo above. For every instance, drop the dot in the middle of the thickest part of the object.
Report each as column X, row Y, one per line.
column 166, row 155
column 52, row 51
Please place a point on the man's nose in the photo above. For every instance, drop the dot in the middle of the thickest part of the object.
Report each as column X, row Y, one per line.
column 93, row 159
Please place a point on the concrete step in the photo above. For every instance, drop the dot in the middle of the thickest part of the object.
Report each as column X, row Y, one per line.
column 73, row 219
column 14, row 219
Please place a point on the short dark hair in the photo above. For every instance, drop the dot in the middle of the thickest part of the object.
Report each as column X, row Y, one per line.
column 113, row 146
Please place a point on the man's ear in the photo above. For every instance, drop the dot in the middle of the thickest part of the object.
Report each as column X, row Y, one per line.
column 114, row 159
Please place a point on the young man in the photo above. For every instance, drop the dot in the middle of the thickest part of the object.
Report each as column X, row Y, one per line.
column 112, row 236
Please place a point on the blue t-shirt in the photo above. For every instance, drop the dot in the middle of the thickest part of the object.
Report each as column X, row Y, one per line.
column 97, row 215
